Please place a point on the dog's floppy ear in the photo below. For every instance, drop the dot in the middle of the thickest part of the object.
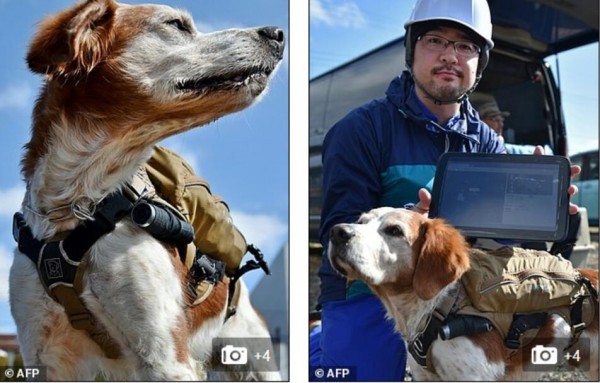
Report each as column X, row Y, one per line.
column 442, row 256
column 74, row 41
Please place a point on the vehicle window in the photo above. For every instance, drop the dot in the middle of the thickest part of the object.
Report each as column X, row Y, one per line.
column 592, row 173
column 577, row 160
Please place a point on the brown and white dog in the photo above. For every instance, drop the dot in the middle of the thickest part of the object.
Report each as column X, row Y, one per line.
column 119, row 78
column 411, row 263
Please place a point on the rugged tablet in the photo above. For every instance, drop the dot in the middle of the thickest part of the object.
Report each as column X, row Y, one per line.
column 503, row 196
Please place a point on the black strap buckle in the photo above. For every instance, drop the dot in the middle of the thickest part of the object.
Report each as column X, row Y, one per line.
column 520, row 324
column 258, row 262
column 419, row 346
column 418, row 350
column 208, row 269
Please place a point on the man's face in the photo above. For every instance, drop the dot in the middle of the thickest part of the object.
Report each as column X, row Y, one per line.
column 445, row 75
column 496, row 123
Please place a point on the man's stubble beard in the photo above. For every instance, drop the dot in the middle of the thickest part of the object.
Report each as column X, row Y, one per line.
column 448, row 92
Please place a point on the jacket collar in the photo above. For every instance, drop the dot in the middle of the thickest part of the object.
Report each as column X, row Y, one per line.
column 402, row 95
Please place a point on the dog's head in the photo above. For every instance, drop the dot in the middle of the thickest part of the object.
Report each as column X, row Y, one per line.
column 147, row 66
column 400, row 251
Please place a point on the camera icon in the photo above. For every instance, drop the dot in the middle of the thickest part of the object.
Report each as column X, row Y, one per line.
column 234, row 355
column 544, row 355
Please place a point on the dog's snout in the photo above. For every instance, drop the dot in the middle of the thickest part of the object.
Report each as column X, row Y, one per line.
column 274, row 35
column 341, row 233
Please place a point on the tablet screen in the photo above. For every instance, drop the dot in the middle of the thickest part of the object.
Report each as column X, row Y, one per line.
column 521, row 197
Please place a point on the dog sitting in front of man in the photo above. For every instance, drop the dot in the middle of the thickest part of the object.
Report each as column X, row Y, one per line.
column 413, row 264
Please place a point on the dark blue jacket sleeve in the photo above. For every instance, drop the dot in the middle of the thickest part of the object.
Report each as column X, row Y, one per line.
column 351, row 170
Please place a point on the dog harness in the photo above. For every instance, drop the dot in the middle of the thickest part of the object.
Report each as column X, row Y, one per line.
column 459, row 315
column 61, row 263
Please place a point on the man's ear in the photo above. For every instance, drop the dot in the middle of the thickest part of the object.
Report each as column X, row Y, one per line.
column 74, row 41
column 442, row 256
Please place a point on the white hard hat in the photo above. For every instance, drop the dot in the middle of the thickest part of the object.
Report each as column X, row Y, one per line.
column 473, row 14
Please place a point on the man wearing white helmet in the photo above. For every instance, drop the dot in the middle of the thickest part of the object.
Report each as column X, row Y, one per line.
column 383, row 153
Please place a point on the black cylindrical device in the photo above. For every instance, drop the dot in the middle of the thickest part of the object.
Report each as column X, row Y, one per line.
column 161, row 223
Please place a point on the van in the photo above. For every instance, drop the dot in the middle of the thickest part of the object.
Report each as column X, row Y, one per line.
column 587, row 183
column 525, row 33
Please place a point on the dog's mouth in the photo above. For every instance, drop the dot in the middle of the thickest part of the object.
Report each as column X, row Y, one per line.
column 337, row 266
column 340, row 262
column 225, row 82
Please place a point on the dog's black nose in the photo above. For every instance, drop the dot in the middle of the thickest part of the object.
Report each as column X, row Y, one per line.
column 341, row 233
column 274, row 35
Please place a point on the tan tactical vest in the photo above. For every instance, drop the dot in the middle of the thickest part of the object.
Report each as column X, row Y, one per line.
column 173, row 184
column 214, row 232
column 511, row 280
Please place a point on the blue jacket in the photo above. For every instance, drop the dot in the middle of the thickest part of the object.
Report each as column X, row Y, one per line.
column 381, row 154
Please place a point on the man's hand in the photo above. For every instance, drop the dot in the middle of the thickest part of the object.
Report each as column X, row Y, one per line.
column 424, row 201
column 575, row 169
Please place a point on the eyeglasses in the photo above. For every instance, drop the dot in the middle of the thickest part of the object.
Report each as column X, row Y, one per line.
column 436, row 43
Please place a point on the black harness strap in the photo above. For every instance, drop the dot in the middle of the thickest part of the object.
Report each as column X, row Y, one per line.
column 79, row 241
column 565, row 246
column 419, row 347
column 115, row 207
column 259, row 262
column 522, row 323
column 58, row 263
column 577, row 320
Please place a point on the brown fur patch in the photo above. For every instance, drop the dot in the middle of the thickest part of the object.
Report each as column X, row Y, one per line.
column 63, row 348
column 441, row 257
column 492, row 345
column 211, row 308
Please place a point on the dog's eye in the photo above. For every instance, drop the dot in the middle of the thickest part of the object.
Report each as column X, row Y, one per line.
column 179, row 25
column 394, row 231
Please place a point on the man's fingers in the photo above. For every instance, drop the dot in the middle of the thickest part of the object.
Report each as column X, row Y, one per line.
column 424, row 201
column 573, row 208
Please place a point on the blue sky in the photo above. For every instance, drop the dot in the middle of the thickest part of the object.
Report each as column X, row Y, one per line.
column 243, row 156
column 341, row 30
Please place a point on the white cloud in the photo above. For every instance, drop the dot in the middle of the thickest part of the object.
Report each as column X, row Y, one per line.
column 10, row 200
column 18, row 96
column 267, row 232
column 342, row 14
column 5, row 260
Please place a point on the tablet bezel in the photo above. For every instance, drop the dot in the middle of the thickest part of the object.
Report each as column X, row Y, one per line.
column 563, row 173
